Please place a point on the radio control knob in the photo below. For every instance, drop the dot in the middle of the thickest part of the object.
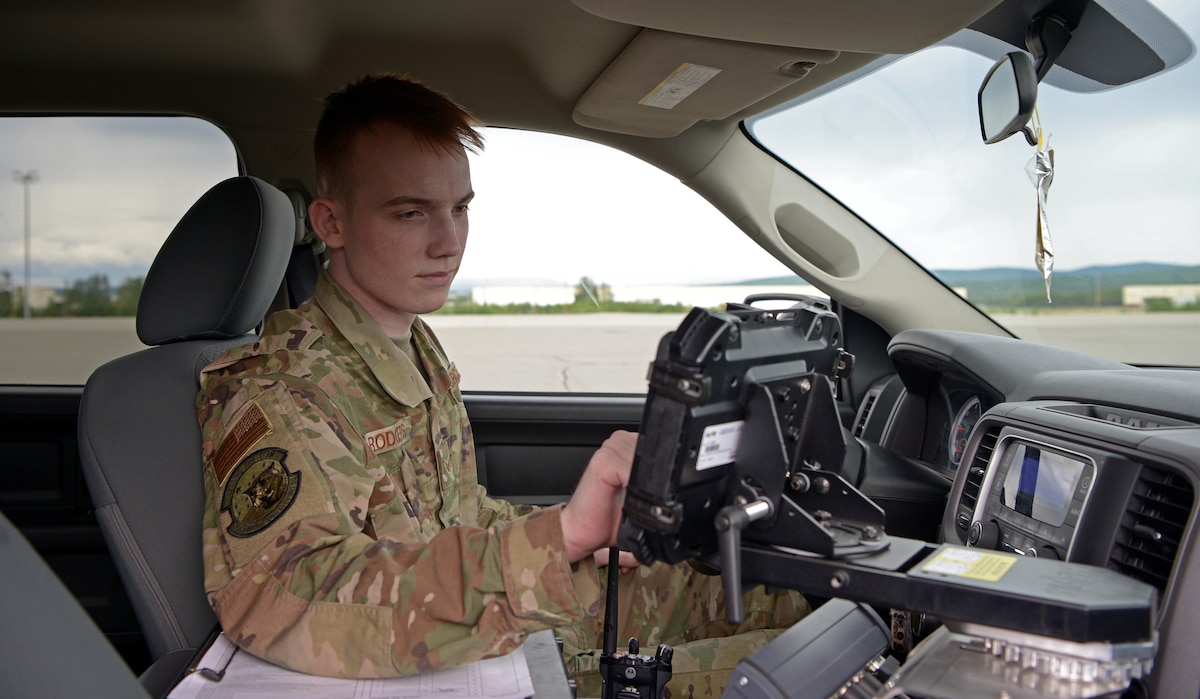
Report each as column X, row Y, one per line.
column 984, row 535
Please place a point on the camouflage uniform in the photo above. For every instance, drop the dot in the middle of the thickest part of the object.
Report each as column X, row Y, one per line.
column 345, row 533
column 686, row 610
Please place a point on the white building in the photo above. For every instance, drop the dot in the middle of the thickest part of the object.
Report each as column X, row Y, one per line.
column 558, row 295
column 39, row 296
column 705, row 296
column 1179, row 294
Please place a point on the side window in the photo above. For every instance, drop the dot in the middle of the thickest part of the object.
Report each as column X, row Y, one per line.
column 579, row 259
column 89, row 202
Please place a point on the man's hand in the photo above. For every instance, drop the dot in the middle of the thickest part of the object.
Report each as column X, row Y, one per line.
column 591, row 518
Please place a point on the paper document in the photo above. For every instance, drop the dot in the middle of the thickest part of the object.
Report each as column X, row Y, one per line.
column 226, row 671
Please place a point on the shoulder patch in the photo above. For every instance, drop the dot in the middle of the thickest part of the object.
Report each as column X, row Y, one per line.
column 250, row 427
column 260, row 490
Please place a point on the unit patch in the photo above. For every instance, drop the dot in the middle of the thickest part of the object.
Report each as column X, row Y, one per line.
column 260, row 490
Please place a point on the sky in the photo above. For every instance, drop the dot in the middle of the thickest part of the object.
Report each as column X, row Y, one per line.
column 618, row 221
column 1126, row 176
column 108, row 191
column 548, row 209
column 552, row 210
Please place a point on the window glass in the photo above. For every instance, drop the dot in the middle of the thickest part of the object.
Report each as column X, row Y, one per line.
column 579, row 259
column 902, row 148
column 97, row 197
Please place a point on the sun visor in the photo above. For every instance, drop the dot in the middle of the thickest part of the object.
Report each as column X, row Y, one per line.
column 663, row 82
column 862, row 26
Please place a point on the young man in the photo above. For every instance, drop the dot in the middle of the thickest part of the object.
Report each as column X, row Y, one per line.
column 345, row 533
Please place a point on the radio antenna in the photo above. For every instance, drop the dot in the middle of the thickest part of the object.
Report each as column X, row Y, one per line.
column 610, row 605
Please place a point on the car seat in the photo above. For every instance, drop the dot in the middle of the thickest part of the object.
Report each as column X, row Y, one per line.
column 208, row 289
column 49, row 646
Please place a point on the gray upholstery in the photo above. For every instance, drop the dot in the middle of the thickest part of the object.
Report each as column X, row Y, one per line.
column 49, row 647
column 208, row 289
column 216, row 274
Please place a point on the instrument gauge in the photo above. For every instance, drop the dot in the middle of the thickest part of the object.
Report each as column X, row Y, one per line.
column 960, row 429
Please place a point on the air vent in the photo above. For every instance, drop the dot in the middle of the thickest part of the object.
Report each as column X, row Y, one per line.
column 1155, row 519
column 978, row 469
column 865, row 413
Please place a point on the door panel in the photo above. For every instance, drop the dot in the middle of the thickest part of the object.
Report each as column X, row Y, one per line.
column 532, row 448
column 43, row 493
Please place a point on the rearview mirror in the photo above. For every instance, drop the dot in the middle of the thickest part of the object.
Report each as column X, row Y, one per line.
column 1007, row 97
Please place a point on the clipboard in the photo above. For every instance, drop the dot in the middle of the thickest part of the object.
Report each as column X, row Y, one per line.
column 221, row 669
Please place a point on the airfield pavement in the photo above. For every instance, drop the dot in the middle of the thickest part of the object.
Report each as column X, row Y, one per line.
column 603, row 352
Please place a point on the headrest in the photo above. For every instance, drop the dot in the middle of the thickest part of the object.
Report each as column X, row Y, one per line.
column 219, row 270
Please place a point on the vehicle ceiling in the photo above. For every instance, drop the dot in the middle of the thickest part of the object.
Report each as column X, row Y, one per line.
column 258, row 68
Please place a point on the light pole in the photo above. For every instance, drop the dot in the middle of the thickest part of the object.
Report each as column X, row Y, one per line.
column 26, row 178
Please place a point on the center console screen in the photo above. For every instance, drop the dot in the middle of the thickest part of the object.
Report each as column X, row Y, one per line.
column 1040, row 483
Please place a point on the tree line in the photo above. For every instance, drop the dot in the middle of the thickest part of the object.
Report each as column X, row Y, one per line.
column 96, row 296
column 590, row 297
column 92, row 296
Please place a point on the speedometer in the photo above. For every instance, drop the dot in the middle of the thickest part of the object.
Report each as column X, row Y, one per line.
column 960, row 429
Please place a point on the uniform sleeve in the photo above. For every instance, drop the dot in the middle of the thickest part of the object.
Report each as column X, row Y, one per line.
column 495, row 510
column 296, row 577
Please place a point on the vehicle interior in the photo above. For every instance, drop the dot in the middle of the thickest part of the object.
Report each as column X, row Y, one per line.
column 947, row 397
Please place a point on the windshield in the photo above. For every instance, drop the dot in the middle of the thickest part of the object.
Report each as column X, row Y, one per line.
column 901, row 147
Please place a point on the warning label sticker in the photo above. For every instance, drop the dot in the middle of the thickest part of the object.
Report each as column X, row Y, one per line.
column 677, row 86
column 971, row 563
column 719, row 445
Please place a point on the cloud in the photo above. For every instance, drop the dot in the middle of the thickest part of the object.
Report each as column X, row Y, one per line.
column 903, row 151
column 109, row 190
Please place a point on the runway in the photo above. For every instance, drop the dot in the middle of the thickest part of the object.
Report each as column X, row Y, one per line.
column 603, row 352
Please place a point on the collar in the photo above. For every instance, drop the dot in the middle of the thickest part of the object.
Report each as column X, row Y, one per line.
column 395, row 373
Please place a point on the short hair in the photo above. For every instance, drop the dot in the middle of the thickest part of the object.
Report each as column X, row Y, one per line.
column 429, row 115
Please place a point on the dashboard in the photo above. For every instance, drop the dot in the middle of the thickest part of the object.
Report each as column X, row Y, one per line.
column 966, row 416
column 1058, row 455
column 932, row 424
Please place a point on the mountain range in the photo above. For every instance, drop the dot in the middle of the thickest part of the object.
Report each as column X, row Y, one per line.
column 1014, row 287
